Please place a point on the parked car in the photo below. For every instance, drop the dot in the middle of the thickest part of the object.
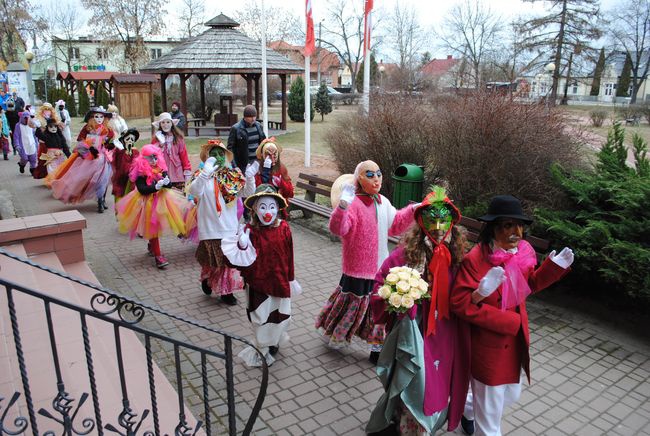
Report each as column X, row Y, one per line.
column 336, row 96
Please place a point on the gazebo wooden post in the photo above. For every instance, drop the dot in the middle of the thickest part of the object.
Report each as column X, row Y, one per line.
column 202, row 78
column 283, row 81
column 151, row 109
column 257, row 94
column 249, row 89
column 163, row 92
column 184, row 78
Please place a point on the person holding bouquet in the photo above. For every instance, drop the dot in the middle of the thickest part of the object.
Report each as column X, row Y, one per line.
column 421, row 363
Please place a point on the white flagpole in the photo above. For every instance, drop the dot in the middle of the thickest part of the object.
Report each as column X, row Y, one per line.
column 307, row 115
column 265, row 107
column 366, row 69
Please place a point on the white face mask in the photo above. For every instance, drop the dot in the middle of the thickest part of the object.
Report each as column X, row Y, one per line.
column 99, row 118
column 52, row 129
column 266, row 209
column 129, row 140
column 166, row 125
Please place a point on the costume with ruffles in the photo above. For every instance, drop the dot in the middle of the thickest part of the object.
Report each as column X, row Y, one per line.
column 53, row 151
column 364, row 228
column 176, row 158
column 84, row 176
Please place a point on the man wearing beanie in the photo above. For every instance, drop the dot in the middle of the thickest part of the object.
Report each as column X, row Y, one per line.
column 245, row 137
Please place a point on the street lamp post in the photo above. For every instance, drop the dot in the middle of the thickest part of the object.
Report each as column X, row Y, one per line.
column 382, row 68
column 29, row 57
column 549, row 68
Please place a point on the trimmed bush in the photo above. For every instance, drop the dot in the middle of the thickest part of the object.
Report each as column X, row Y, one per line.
column 84, row 101
column 296, row 101
column 597, row 118
column 323, row 102
column 607, row 221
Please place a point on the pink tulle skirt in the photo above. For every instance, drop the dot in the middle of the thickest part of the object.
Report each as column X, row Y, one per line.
column 85, row 180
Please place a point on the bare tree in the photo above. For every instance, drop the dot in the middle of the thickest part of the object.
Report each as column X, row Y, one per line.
column 281, row 23
column 569, row 24
column 471, row 31
column 191, row 15
column 407, row 37
column 63, row 26
column 126, row 24
column 16, row 25
column 630, row 30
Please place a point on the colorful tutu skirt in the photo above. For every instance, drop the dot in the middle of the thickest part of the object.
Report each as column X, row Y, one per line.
column 346, row 314
column 151, row 215
column 79, row 179
column 191, row 222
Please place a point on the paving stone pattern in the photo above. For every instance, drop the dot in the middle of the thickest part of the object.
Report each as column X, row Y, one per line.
column 587, row 378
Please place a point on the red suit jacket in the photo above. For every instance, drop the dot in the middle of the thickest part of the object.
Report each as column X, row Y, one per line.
column 499, row 339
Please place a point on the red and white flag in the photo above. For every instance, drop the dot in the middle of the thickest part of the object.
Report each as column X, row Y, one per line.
column 310, row 42
column 367, row 25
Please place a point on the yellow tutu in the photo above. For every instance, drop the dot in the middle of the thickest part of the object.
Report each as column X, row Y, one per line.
column 151, row 215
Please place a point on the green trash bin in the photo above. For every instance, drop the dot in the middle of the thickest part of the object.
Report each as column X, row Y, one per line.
column 409, row 179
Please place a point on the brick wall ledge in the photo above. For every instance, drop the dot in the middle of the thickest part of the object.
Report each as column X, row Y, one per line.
column 59, row 232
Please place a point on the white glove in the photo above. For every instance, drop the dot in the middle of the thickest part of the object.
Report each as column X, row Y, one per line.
column 208, row 166
column 160, row 183
column 252, row 169
column 160, row 136
column 295, row 288
column 347, row 195
column 118, row 144
column 244, row 239
column 491, row 281
column 564, row 259
column 188, row 175
column 268, row 163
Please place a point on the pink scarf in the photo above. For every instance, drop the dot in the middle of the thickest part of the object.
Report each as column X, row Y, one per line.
column 515, row 287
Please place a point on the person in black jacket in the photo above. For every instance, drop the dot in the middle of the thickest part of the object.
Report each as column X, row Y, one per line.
column 245, row 136
column 54, row 151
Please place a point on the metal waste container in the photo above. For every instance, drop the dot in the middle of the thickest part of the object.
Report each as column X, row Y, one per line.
column 409, row 179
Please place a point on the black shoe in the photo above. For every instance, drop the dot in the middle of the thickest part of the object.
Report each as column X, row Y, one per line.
column 467, row 425
column 391, row 430
column 104, row 205
column 374, row 357
column 31, row 171
column 273, row 350
column 207, row 290
column 100, row 207
column 229, row 299
column 5, row 156
column 22, row 168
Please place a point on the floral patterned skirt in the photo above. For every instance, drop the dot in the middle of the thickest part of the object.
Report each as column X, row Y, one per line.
column 346, row 314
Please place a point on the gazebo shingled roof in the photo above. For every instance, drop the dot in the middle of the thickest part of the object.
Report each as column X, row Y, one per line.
column 221, row 49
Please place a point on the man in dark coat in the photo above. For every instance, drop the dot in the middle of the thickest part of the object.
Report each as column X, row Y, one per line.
column 245, row 136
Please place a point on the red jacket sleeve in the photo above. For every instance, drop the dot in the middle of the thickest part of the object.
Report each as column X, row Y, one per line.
column 289, row 239
column 547, row 274
column 182, row 153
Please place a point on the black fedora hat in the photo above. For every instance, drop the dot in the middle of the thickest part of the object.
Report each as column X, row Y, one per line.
column 505, row 206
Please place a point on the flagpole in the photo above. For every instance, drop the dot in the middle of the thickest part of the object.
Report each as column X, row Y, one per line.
column 366, row 66
column 265, row 107
column 307, row 114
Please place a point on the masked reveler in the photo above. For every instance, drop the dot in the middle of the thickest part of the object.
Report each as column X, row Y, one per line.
column 420, row 365
column 152, row 208
column 64, row 116
column 489, row 296
column 56, row 149
column 363, row 219
column 263, row 252
column 216, row 187
column 272, row 171
column 122, row 160
column 87, row 172
column 25, row 142
column 172, row 143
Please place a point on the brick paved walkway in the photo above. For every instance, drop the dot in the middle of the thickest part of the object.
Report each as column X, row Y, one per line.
column 587, row 378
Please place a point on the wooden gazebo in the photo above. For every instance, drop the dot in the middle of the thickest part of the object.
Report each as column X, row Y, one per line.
column 222, row 49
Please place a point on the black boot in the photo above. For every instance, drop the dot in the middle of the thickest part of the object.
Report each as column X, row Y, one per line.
column 5, row 156
column 21, row 168
column 100, row 206
column 374, row 357
column 207, row 290
column 273, row 350
column 229, row 299
column 467, row 425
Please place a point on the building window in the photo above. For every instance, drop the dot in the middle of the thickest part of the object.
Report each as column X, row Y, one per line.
column 73, row 53
column 156, row 53
column 574, row 85
column 609, row 88
column 102, row 53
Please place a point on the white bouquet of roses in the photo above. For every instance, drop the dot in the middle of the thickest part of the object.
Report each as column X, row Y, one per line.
column 403, row 287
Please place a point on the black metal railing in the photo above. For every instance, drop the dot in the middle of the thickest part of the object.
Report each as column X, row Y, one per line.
column 122, row 314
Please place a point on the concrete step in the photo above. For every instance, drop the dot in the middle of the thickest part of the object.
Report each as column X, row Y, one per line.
column 71, row 353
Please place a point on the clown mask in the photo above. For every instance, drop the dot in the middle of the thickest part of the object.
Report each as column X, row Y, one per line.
column 370, row 177
column 166, row 125
column 437, row 219
column 508, row 232
column 271, row 151
column 220, row 155
column 99, row 118
column 266, row 209
column 152, row 159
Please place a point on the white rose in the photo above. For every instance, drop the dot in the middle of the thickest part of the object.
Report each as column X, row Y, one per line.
column 395, row 269
column 391, row 279
column 414, row 283
column 424, row 286
column 407, row 301
column 384, row 292
column 395, row 300
column 402, row 287
column 403, row 275
column 415, row 294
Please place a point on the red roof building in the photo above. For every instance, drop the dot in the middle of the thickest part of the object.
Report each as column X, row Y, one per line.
column 329, row 62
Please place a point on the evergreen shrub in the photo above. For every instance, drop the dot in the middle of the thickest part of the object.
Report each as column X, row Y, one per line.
column 296, row 101
column 323, row 101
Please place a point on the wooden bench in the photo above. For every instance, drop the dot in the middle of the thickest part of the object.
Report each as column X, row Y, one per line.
column 209, row 130
column 316, row 185
column 275, row 125
column 633, row 120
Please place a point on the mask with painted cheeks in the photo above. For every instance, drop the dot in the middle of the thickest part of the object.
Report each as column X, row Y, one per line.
column 166, row 125
column 508, row 232
column 266, row 209
column 220, row 155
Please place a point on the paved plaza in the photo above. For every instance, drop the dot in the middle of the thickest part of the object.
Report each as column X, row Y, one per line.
column 588, row 377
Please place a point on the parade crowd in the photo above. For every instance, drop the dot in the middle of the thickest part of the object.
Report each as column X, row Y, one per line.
column 446, row 325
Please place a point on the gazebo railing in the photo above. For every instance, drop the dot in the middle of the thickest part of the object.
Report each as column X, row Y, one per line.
column 122, row 314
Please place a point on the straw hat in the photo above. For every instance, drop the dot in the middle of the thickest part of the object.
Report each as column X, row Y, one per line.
column 204, row 154
column 337, row 187
column 265, row 190
column 260, row 150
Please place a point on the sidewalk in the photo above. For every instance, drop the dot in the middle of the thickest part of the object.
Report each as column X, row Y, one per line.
column 587, row 378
